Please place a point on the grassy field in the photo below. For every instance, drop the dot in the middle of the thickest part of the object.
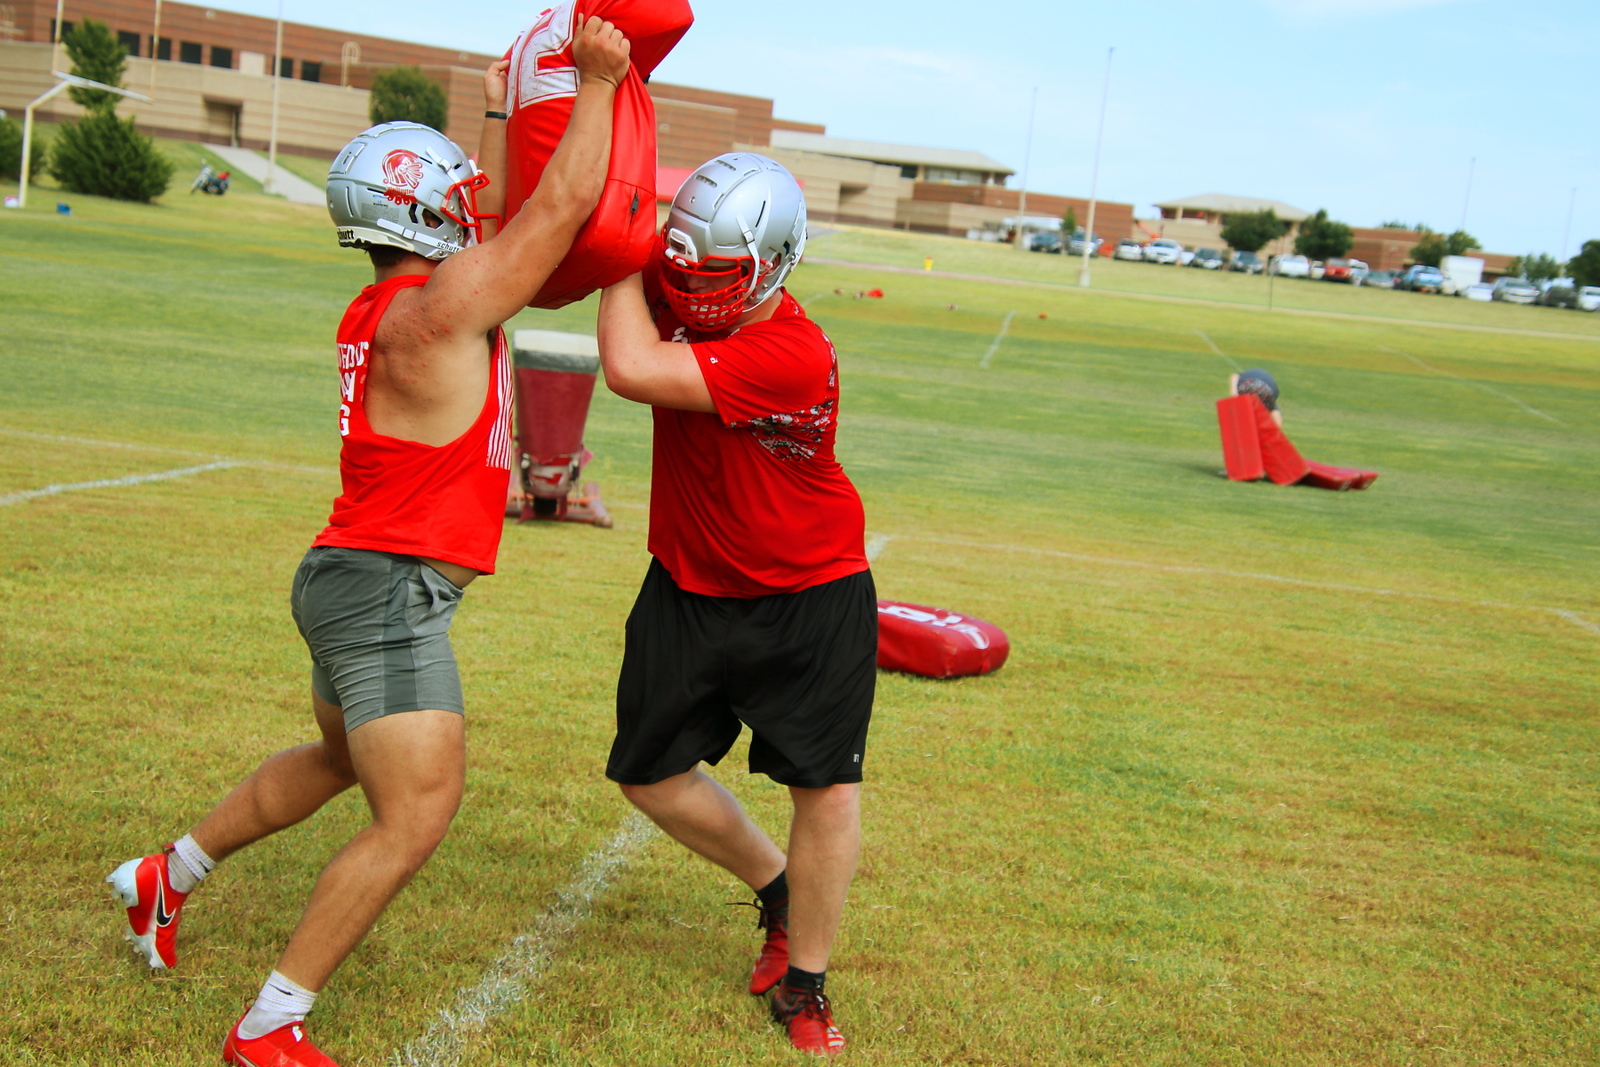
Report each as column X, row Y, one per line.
column 1274, row 776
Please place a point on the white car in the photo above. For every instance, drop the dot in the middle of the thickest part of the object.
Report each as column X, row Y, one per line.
column 1163, row 250
column 1290, row 266
column 1516, row 291
column 1482, row 291
column 1130, row 250
column 1589, row 298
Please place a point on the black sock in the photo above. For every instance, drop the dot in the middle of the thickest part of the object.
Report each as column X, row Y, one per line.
column 775, row 894
column 805, row 981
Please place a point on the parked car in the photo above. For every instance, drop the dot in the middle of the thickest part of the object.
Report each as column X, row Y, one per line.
column 1589, row 298
column 1163, row 250
column 1420, row 278
column 1345, row 270
column 1206, row 259
column 1559, row 296
column 1516, row 291
column 1380, row 279
column 1076, row 246
column 1044, row 242
column 1247, row 262
column 1130, row 250
column 1318, row 268
column 1186, row 258
column 1483, row 291
column 1290, row 266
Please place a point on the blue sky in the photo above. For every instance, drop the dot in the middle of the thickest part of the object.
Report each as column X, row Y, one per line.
column 1370, row 108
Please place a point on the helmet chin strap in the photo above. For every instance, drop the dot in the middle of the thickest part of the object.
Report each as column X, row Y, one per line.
column 449, row 248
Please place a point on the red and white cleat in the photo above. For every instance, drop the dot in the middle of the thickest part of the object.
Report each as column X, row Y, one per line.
column 809, row 1018
column 287, row 1046
column 153, row 907
column 773, row 963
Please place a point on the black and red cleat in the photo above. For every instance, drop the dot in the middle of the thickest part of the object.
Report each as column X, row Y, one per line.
column 773, row 963
column 142, row 887
column 809, row 1019
column 287, row 1046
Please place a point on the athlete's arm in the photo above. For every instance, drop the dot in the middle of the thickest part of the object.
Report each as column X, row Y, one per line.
column 639, row 365
column 477, row 289
column 492, row 147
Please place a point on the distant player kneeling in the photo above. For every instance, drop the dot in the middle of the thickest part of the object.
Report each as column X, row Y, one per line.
column 759, row 606
column 424, row 413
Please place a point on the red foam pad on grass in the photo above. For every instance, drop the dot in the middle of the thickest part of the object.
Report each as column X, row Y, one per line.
column 1253, row 446
column 937, row 643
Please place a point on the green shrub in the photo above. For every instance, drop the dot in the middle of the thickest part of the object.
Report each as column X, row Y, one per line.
column 11, row 151
column 98, row 56
column 103, row 155
column 405, row 93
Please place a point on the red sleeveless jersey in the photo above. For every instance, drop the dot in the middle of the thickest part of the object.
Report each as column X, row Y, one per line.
column 446, row 502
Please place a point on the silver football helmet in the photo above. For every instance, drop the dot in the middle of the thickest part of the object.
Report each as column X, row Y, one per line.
column 408, row 186
column 735, row 231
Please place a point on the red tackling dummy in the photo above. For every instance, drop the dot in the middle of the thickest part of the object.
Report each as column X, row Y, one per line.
column 937, row 643
column 540, row 86
column 1254, row 446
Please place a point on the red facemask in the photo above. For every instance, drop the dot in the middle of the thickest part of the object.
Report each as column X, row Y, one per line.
column 708, row 296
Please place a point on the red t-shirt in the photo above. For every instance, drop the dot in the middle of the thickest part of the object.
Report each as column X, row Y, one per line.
column 446, row 502
column 750, row 501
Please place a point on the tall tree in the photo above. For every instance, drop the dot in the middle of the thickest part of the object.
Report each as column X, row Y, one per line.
column 407, row 94
column 1585, row 266
column 1250, row 231
column 1429, row 251
column 1322, row 238
column 1069, row 224
column 1460, row 243
column 98, row 56
column 1536, row 268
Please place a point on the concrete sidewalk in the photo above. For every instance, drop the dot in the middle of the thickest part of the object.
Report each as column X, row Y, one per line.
column 291, row 187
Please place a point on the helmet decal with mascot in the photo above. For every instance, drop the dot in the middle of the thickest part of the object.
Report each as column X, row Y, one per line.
column 736, row 229
column 406, row 185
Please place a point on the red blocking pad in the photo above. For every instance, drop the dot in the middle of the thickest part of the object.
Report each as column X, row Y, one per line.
column 541, row 84
column 1254, row 446
column 937, row 643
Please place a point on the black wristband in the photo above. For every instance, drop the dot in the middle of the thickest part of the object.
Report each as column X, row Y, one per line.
column 494, row 114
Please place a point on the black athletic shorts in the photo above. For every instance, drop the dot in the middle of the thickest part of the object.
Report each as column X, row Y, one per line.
column 798, row 668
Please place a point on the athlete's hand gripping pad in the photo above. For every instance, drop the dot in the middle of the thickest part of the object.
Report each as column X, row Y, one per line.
column 540, row 86
column 937, row 643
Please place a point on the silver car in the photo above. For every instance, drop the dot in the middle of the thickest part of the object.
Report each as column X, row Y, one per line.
column 1516, row 291
column 1163, row 250
column 1130, row 250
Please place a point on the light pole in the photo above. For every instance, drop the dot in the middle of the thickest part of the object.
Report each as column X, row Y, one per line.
column 63, row 81
column 1094, row 175
column 55, row 48
column 155, row 48
column 1027, row 157
column 272, row 133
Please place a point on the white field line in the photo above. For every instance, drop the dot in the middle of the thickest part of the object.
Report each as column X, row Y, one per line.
column 876, row 543
column 807, row 302
column 264, row 464
column 1202, row 335
column 1476, row 384
column 994, row 346
column 107, row 483
column 1223, row 572
column 529, row 955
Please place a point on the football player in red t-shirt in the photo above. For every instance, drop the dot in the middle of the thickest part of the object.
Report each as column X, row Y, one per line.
column 758, row 607
column 424, row 414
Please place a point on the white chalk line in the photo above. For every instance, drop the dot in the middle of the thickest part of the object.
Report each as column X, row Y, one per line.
column 1223, row 572
column 1477, row 384
column 107, row 483
column 1202, row 335
column 92, row 442
column 529, row 955
column 994, row 346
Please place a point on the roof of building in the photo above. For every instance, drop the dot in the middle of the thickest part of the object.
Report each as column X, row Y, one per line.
column 1227, row 204
column 879, row 152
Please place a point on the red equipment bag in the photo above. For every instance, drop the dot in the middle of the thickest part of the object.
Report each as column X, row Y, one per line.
column 1253, row 445
column 937, row 643
column 540, row 87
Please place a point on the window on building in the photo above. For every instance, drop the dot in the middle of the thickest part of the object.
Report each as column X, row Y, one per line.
column 285, row 67
column 310, row 71
column 189, row 51
column 66, row 28
column 909, row 170
column 129, row 40
column 164, row 48
column 221, row 57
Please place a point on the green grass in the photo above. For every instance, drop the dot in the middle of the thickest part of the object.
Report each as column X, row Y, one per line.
column 1203, row 816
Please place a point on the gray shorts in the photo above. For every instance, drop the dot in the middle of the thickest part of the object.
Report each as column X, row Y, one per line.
column 378, row 627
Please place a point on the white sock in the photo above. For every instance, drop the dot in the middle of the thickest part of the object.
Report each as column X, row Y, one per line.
column 192, row 867
column 282, row 1001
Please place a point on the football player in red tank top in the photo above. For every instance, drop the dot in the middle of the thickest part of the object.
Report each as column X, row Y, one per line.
column 424, row 414
column 758, row 609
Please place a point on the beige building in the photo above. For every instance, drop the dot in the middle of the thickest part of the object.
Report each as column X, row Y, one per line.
column 1197, row 221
